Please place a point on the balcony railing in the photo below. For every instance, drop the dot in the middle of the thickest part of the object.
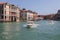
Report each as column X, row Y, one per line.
column 12, row 15
column 12, row 10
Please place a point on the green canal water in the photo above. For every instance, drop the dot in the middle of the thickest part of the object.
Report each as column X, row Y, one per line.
column 45, row 30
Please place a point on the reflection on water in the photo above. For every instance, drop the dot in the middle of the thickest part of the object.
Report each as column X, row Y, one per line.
column 10, row 31
column 16, row 31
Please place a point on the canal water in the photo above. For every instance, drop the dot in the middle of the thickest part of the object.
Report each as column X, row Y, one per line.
column 45, row 30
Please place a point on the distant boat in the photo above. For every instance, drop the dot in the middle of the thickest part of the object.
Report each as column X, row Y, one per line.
column 51, row 22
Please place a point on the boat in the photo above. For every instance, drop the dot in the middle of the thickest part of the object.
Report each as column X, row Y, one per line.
column 51, row 22
column 29, row 24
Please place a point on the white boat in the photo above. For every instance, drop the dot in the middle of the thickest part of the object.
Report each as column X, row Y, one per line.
column 30, row 24
column 51, row 22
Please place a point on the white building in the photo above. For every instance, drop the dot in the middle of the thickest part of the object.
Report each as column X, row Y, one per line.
column 26, row 15
column 29, row 15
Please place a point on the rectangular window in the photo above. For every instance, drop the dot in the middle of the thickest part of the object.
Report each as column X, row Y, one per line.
column 1, row 9
column 1, row 17
column 5, row 17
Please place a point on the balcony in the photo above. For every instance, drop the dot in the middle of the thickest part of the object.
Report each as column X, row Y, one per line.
column 12, row 10
column 12, row 15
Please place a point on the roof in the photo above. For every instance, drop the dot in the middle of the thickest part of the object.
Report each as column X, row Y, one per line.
column 35, row 12
column 2, row 2
column 23, row 10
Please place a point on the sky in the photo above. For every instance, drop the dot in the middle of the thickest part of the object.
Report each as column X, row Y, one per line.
column 42, row 7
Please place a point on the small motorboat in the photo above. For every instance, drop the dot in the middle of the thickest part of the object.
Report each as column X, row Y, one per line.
column 30, row 24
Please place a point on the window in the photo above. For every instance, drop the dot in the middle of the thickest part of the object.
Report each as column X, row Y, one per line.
column 1, row 17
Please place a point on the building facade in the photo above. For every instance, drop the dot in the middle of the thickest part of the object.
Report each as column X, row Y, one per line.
column 30, row 15
column 35, row 16
column 23, row 15
column 9, row 12
column 57, row 16
column 26, row 15
column 40, row 17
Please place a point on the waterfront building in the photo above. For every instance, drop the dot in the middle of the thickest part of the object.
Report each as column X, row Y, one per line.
column 50, row 16
column 35, row 15
column 57, row 15
column 40, row 17
column 9, row 12
column 23, row 15
column 26, row 15
column 29, row 15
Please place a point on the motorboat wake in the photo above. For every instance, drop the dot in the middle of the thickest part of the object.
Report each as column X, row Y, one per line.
column 30, row 24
